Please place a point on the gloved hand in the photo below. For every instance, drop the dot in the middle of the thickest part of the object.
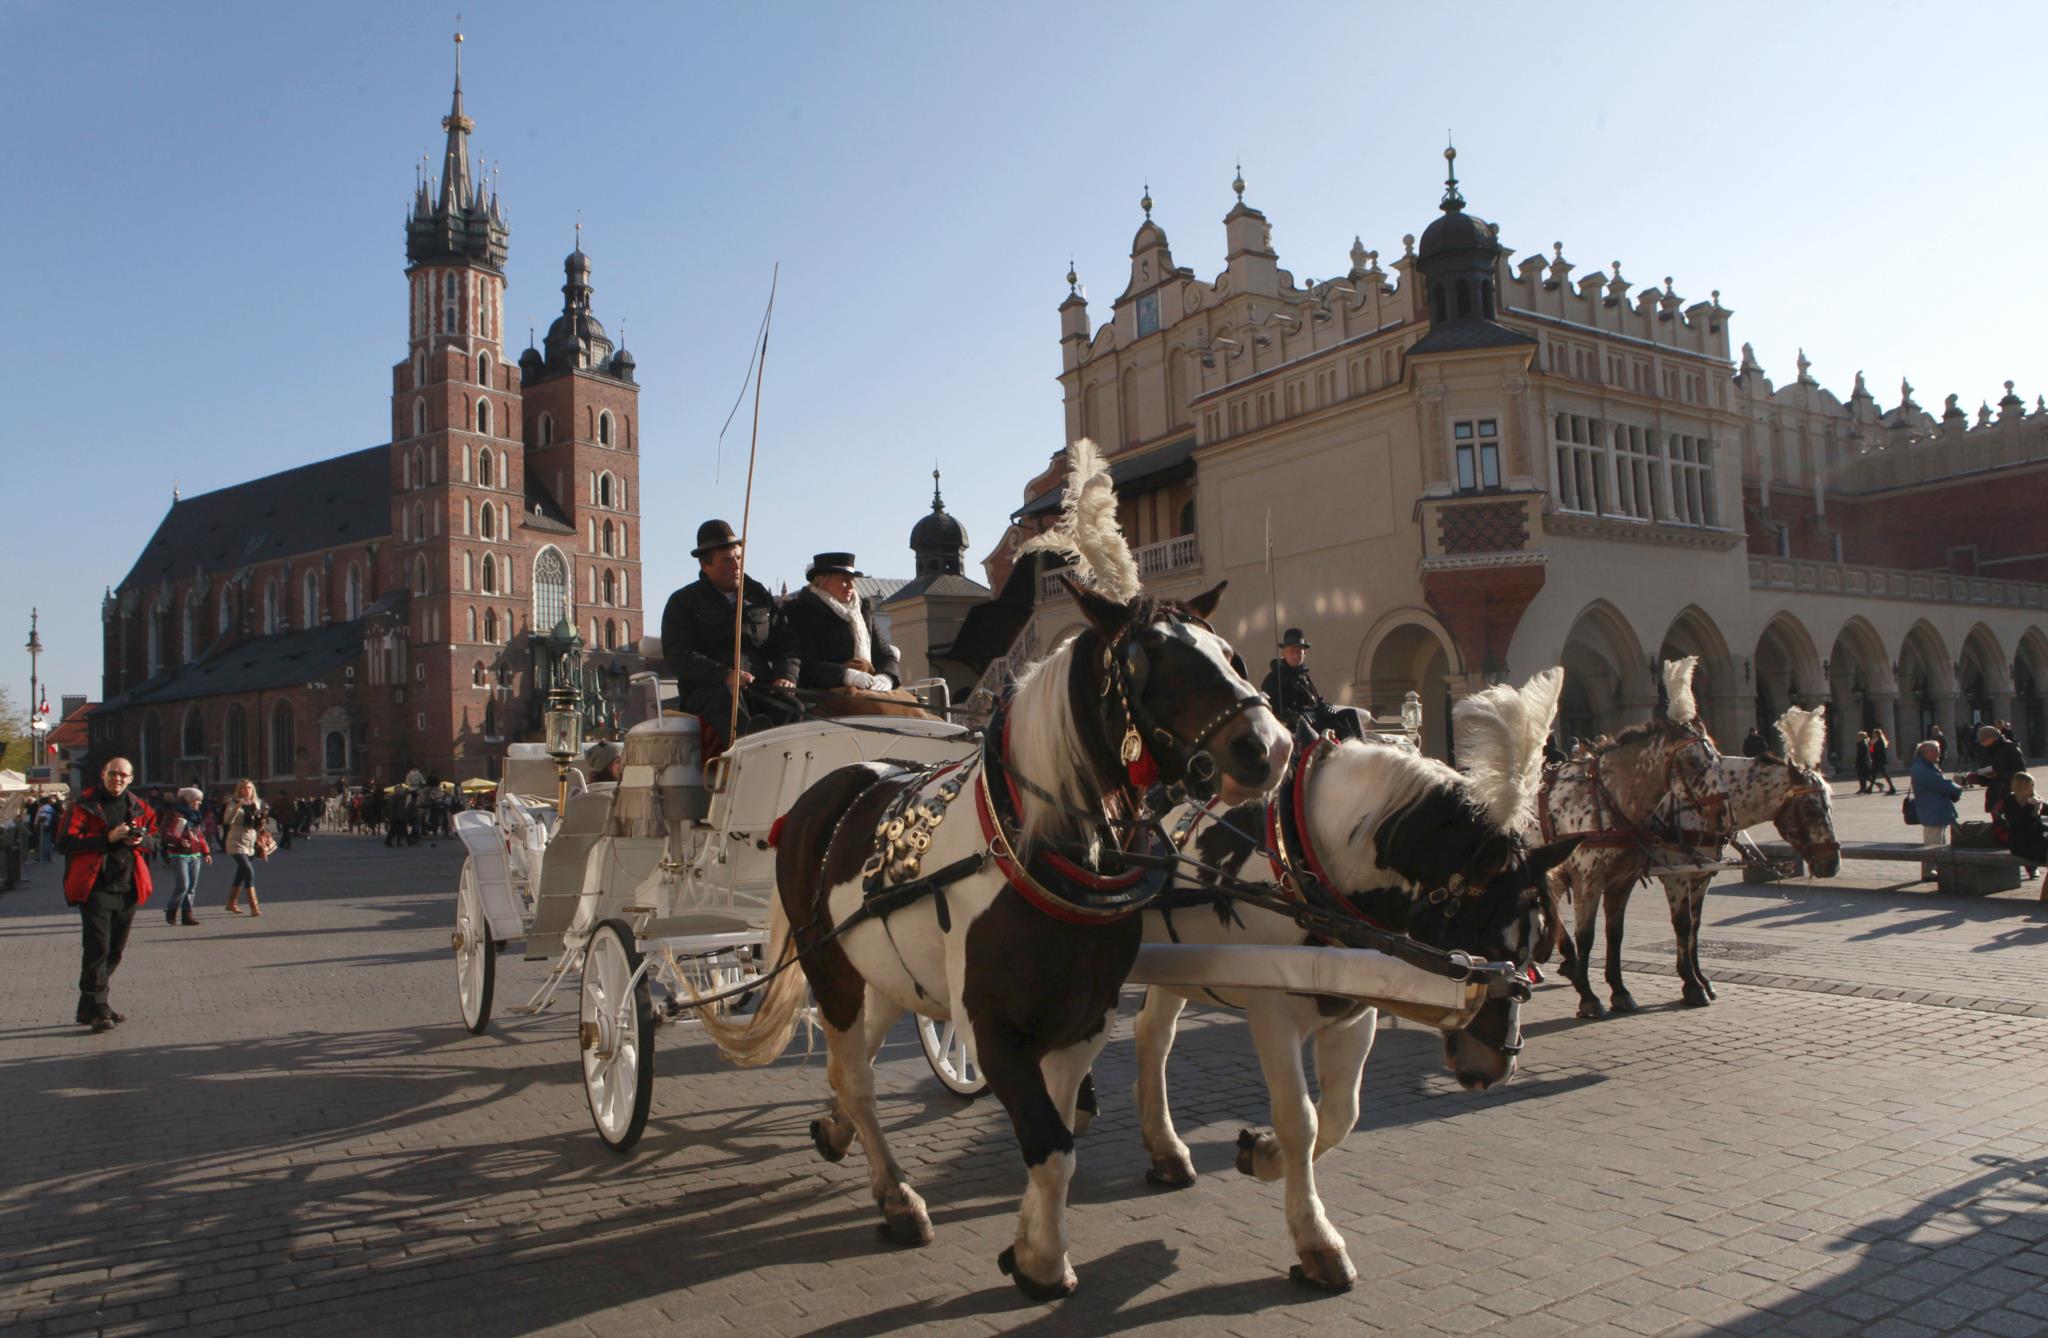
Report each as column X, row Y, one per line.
column 857, row 678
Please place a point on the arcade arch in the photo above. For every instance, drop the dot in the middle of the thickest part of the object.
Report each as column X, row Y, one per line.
column 1692, row 632
column 1927, row 687
column 1861, row 688
column 1408, row 652
column 1787, row 672
column 1606, row 675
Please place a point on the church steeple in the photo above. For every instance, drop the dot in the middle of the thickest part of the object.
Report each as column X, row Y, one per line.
column 452, row 217
column 577, row 341
column 938, row 540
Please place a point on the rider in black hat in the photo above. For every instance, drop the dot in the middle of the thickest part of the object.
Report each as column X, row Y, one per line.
column 835, row 631
column 696, row 640
column 1290, row 689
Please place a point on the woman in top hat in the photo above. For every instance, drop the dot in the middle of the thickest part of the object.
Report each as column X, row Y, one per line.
column 697, row 640
column 1290, row 689
column 834, row 631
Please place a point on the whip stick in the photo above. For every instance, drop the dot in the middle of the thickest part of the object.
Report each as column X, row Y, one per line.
column 739, row 604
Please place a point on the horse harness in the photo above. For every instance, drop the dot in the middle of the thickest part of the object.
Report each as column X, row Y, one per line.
column 1664, row 830
column 1125, row 670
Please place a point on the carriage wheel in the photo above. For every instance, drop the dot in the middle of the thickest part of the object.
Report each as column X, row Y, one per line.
column 945, row 1049
column 617, row 1036
column 476, row 956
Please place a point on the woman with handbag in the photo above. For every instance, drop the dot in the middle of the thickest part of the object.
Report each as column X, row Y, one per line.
column 246, row 839
column 1931, row 801
column 185, row 848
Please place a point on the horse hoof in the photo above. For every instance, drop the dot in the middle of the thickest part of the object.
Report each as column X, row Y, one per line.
column 1171, row 1172
column 1247, row 1152
column 1037, row 1291
column 1708, row 986
column 1695, row 997
column 824, row 1144
column 1623, row 1002
column 1324, row 1270
column 1592, row 1009
column 905, row 1229
column 1083, row 1117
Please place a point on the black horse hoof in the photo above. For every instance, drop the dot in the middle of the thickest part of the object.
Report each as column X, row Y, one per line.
column 905, row 1229
column 1592, row 1009
column 1695, row 997
column 1171, row 1172
column 1037, row 1291
column 1247, row 1151
column 1622, row 1001
column 824, row 1144
column 1708, row 986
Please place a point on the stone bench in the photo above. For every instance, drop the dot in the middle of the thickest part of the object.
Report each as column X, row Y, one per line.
column 1970, row 872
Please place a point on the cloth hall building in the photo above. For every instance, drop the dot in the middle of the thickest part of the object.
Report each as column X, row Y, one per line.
column 1468, row 466
column 408, row 604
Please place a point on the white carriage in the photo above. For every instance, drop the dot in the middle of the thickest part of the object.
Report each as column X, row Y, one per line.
column 656, row 891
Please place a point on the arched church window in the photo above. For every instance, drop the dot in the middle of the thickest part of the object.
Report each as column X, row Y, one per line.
column 604, row 489
column 352, row 597
column 309, row 601
column 490, row 575
column 550, row 588
column 485, row 474
column 419, row 417
column 607, row 533
column 547, row 429
column 483, row 369
column 491, row 626
column 483, row 417
column 604, row 428
column 487, row 521
column 283, row 749
column 611, row 589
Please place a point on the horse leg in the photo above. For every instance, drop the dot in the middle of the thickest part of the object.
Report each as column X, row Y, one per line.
column 1578, row 947
column 850, row 1066
column 1277, row 1028
column 1158, row 1019
column 1037, row 1260
column 1678, row 895
column 1617, row 993
column 1085, row 1105
column 1698, row 909
column 1341, row 1051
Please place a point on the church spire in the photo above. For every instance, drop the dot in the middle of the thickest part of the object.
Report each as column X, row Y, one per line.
column 455, row 182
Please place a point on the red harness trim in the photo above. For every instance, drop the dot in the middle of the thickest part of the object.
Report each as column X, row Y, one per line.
column 1277, row 848
column 1019, row 877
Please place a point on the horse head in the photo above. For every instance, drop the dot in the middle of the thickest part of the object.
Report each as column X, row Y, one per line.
column 1168, row 697
column 1805, row 812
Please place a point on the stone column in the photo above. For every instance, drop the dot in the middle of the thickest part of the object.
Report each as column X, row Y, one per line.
column 1520, row 444
column 1429, row 411
column 1947, row 714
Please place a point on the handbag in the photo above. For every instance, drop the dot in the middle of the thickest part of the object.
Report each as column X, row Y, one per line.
column 1909, row 810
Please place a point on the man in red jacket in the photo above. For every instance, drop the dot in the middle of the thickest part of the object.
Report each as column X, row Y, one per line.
column 104, row 835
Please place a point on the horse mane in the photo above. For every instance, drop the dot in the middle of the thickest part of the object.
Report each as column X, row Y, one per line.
column 1805, row 734
column 1087, row 530
column 1371, row 782
column 1659, row 730
column 1045, row 747
column 1678, row 688
column 1499, row 733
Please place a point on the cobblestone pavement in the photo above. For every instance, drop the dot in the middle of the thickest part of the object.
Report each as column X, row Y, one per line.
column 293, row 1131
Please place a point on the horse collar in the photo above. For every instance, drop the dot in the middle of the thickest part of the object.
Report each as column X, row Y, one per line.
column 1288, row 846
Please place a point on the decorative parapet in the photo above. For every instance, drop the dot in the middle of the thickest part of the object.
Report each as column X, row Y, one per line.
column 1835, row 578
column 1482, row 530
column 1629, row 530
column 1169, row 558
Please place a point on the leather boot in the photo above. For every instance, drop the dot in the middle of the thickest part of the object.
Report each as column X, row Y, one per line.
column 234, row 895
column 254, row 909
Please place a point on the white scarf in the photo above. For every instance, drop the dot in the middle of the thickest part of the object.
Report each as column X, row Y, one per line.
column 850, row 612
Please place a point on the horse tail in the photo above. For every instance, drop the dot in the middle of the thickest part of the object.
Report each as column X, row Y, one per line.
column 759, row 1040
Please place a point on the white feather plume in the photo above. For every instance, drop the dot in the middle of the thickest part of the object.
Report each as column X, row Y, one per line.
column 1499, row 735
column 1805, row 734
column 1087, row 530
column 1678, row 689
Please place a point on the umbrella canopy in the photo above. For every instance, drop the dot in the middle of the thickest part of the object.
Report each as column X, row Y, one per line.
column 478, row 785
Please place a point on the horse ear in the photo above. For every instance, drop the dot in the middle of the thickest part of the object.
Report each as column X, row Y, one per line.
column 1203, row 606
column 1545, row 858
column 1107, row 615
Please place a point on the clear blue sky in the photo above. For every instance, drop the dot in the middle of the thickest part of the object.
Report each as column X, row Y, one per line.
column 204, row 204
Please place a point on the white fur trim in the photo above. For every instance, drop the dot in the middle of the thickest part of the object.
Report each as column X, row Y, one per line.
column 1499, row 735
column 1087, row 529
column 1678, row 689
column 1805, row 733
column 850, row 613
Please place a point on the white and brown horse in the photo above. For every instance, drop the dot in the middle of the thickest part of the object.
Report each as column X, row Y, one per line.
column 1620, row 800
column 1405, row 842
column 989, row 892
column 1790, row 793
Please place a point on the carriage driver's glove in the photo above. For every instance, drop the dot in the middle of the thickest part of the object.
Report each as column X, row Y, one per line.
column 857, row 678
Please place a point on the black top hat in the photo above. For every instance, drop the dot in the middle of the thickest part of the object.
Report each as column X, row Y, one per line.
column 842, row 563
column 713, row 535
column 1294, row 638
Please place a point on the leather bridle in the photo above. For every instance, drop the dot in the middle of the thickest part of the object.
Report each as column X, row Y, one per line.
column 1126, row 668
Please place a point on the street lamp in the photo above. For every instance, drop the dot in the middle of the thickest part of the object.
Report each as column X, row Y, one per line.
column 35, row 650
column 564, row 738
column 1411, row 714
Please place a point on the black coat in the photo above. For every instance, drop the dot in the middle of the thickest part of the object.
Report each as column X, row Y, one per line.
column 824, row 641
column 1291, row 691
column 696, row 636
column 2003, row 760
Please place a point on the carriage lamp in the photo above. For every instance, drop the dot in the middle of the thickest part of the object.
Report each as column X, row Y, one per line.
column 1411, row 713
column 565, row 738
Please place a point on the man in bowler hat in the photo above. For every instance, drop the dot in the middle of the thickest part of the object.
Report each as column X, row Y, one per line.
column 1288, row 686
column 697, row 641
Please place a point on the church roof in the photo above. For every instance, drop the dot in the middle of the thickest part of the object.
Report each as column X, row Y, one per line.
column 346, row 499
column 256, row 665
column 946, row 583
column 543, row 512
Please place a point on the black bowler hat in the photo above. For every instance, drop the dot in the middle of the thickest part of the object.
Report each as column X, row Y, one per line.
column 840, row 563
column 713, row 535
column 1294, row 638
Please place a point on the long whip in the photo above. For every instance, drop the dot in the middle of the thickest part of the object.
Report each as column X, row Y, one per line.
column 739, row 604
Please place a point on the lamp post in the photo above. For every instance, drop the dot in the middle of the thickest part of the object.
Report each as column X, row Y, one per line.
column 565, row 738
column 35, row 650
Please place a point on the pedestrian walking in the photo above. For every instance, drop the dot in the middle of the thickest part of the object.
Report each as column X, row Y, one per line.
column 46, row 829
column 1941, row 742
column 183, row 829
column 1754, row 744
column 103, row 837
column 1863, row 762
column 1933, row 796
column 1880, row 761
column 246, row 841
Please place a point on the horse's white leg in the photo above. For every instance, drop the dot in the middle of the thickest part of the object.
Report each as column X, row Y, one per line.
column 1278, row 1025
column 1341, row 1050
column 1038, row 1258
column 1157, row 1022
column 850, row 1065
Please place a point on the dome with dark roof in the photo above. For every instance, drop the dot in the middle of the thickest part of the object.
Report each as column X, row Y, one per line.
column 938, row 541
column 1457, row 232
column 623, row 364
